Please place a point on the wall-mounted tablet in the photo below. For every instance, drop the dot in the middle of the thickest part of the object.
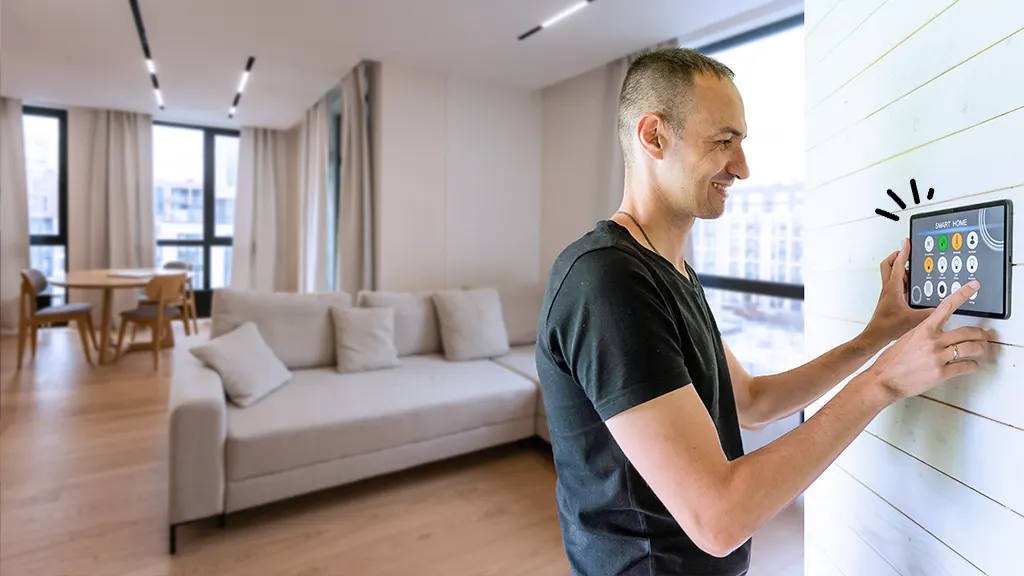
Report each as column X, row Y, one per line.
column 949, row 248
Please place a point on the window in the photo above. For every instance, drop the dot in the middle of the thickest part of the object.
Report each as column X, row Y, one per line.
column 45, row 133
column 751, row 258
column 194, row 172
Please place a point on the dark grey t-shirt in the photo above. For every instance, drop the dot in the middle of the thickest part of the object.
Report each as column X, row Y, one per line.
column 621, row 326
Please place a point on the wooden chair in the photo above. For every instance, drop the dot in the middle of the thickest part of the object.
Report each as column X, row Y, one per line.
column 162, row 291
column 30, row 317
column 186, row 301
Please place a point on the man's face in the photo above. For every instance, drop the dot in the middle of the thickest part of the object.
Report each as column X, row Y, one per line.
column 700, row 163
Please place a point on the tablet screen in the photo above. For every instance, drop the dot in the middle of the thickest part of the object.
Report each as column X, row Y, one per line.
column 951, row 248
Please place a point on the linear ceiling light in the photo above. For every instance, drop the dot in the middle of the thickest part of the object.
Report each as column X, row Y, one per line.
column 556, row 18
column 150, row 66
column 241, row 87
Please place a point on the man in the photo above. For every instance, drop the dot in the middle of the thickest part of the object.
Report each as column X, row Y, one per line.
column 645, row 401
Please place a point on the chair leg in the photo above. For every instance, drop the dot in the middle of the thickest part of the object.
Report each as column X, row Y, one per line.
column 92, row 332
column 195, row 315
column 184, row 319
column 85, row 340
column 120, row 338
column 134, row 329
column 35, row 336
column 22, row 335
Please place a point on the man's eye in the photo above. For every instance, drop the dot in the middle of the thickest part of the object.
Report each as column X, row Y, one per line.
column 725, row 142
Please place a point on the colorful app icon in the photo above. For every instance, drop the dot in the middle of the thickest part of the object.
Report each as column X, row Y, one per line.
column 942, row 264
column 972, row 239
column 942, row 289
column 929, row 264
column 929, row 244
column 958, row 241
column 957, row 264
column 943, row 242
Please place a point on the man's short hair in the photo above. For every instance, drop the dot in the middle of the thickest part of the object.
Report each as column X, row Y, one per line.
column 661, row 81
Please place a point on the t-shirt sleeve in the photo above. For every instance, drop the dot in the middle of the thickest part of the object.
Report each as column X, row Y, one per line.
column 616, row 332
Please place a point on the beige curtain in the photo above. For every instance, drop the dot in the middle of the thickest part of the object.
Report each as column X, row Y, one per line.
column 14, row 229
column 120, row 227
column 314, row 204
column 258, row 260
column 354, row 267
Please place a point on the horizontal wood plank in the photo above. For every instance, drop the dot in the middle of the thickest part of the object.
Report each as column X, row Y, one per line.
column 985, row 533
column 994, row 391
column 853, row 295
column 945, row 106
column 955, row 167
column 940, row 49
column 867, row 242
column 842, row 513
column 983, row 454
column 875, row 39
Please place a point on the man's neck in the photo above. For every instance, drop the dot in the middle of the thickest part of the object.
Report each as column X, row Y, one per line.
column 667, row 235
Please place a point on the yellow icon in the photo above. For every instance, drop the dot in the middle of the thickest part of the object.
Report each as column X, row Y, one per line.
column 928, row 264
column 958, row 241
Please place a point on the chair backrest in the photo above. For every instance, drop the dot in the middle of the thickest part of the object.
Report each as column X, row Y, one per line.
column 164, row 287
column 178, row 265
column 37, row 281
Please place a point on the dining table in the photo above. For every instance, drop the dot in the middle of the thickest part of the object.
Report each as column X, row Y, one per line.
column 108, row 280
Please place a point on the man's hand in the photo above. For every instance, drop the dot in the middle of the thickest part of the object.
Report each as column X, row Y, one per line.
column 893, row 316
column 926, row 356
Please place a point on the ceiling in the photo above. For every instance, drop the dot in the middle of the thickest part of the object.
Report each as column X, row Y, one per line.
column 87, row 53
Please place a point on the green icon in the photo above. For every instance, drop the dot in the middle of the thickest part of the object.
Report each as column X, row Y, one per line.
column 942, row 243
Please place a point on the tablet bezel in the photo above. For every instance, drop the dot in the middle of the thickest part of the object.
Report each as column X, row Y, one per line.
column 1007, row 260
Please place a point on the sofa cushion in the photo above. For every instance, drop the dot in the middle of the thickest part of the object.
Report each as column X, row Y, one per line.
column 365, row 338
column 297, row 327
column 415, row 319
column 247, row 367
column 520, row 309
column 471, row 324
column 323, row 415
column 521, row 360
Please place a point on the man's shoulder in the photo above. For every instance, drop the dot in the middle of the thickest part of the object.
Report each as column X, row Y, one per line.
column 600, row 253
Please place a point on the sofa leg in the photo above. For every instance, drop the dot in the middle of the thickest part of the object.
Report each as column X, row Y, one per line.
column 222, row 520
column 173, row 538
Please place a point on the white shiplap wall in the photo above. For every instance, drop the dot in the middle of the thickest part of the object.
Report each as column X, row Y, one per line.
column 931, row 90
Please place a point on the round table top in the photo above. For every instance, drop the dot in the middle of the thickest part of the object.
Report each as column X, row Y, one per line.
column 110, row 278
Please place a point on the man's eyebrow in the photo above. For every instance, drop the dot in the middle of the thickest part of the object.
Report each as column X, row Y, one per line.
column 733, row 131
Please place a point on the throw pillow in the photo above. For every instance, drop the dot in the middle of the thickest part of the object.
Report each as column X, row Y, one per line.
column 415, row 319
column 365, row 338
column 472, row 327
column 248, row 368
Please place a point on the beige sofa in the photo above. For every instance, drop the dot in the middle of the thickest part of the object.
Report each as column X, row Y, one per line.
column 324, row 428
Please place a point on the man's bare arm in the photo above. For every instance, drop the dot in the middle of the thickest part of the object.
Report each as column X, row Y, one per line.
column 764, row 399
column 674, row 445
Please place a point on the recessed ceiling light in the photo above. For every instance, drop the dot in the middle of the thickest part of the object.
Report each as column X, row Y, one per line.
column 556, row 18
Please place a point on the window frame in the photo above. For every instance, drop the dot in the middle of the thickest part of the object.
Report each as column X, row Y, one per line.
column 61, row 237
column 210, row 238
column 736, row 284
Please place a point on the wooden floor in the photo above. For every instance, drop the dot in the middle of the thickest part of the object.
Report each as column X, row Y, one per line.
column 83, row 491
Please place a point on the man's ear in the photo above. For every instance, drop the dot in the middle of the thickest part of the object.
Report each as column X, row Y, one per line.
column 650, row 133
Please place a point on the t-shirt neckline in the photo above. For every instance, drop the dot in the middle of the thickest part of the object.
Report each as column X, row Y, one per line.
column 689, row 269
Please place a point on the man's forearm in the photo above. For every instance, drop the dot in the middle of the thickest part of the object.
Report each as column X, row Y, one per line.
column 777, row 396
column 764, row 481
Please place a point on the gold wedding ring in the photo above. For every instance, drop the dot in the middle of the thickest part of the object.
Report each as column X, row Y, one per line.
column 956, row 353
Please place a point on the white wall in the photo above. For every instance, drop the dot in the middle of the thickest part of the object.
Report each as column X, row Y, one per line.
column 917, row 89
column 574, row 177
column 458, row 181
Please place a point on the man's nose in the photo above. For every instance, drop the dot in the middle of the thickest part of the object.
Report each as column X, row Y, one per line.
column 738, row 166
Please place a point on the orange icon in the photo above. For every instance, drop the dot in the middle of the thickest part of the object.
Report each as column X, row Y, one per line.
column 928, row 264
column 958, row 241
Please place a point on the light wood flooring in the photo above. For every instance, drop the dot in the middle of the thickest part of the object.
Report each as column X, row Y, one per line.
column 83, row 492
